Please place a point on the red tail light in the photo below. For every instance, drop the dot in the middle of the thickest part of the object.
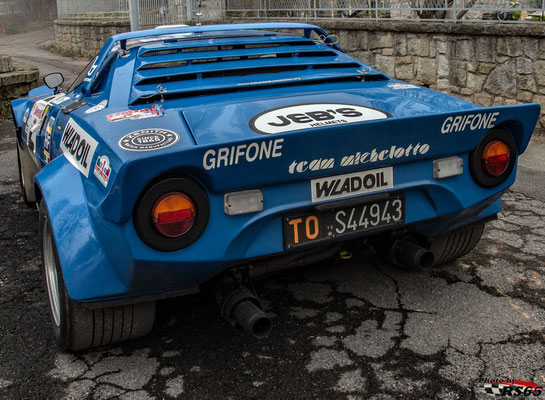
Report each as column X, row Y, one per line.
column 173, row 214
column 495, row 158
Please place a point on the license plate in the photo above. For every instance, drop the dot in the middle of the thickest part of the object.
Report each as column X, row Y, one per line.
column 325, row 225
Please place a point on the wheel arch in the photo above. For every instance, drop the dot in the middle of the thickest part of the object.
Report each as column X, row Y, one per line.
column 87, row 271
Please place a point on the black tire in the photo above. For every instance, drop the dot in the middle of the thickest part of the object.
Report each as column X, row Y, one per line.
column 27, row 170
column 455, row 244
column 76, row 327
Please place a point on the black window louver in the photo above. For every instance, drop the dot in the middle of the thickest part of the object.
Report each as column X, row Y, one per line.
column 210, row 92
column 207, row 63
column 243, row 72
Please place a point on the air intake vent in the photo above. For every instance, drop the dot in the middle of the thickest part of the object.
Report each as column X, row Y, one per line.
column 223, row 64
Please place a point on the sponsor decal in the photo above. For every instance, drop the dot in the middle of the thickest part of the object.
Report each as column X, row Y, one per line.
column 394, row 152
column 78, row 147
column 34, row 122
column 375, row 155
column 340, row 186
column 508, row 387
column 314, row 165
column 472, row 121
column 306, row 116
column 59, row 100
column 98, row 107
column 400, row 86
column 155, row 110
column 91, row 70
column 47, row 138
column 227, row 156
column 148, row 139
column 102, row 169
column 50, row 123
column 25, row 117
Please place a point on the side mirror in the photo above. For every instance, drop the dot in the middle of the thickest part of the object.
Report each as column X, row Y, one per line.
column 54, row 80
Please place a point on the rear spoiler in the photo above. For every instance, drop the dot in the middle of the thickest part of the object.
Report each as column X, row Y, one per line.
column 123, row 38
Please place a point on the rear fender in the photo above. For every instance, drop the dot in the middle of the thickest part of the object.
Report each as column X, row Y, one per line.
column 87, row 271
column 18, row 111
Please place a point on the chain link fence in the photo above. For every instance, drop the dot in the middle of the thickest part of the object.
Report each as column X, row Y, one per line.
column 167, row 12
column 517, row 11
column 10, row 8
column 93, row 10
column 152, row 12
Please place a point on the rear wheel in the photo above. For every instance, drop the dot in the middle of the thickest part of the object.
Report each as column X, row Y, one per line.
column 79, row 328
column 455, row 244
column 27, row 170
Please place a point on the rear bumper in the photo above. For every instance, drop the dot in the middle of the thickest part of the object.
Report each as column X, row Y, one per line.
column 432, row 207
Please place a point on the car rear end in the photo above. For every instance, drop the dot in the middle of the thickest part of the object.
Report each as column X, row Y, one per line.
column 290, row 149
column 296, row 145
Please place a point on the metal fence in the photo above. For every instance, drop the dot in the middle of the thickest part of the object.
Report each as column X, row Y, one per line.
column 93, row 9
column 152, row 12
column 167, row 12
column 10, row 8
column 519, row 11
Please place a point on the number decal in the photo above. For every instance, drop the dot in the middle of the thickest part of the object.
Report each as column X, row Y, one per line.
column 385, row 214
column 351, row 223
column 397, row 203
column 363, row 222
column 345, row 221
column 311, row 236
column 374, row 211
column 340, row 221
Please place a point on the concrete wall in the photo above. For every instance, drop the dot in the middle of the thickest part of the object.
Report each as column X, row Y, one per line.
column 486, row 63
column 16, row 80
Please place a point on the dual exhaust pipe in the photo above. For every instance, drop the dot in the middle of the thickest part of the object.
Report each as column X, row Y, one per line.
column 405, row 252
column 241, row 307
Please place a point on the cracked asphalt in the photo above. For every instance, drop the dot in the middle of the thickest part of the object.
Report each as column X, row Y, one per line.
column 342, row 329
column 355, row 329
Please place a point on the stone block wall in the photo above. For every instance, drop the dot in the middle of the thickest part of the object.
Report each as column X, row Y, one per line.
column 16, row 80
column 487, row 64
column 86, row 38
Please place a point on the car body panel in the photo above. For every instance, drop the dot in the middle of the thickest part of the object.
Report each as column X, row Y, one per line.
column 325, row 123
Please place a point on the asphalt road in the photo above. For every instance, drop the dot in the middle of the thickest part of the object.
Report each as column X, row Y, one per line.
column 355, row 329
column 342, row 329
column 25, row 47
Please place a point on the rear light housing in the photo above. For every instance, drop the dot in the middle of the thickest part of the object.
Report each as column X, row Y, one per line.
column 493, row 160
column 171, row 213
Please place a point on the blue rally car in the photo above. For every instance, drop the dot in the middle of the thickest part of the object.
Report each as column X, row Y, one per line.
column 199, row 157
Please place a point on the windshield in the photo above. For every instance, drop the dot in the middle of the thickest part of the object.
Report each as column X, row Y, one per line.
column 81, row 76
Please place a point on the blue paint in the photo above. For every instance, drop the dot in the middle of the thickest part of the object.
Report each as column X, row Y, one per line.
column 210, row 105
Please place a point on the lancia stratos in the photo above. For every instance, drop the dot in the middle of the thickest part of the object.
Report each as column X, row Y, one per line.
column 200, row 157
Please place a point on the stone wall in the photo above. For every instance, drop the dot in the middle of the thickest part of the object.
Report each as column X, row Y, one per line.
column 488, row 64
column 86, row 38
column 16, row 80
